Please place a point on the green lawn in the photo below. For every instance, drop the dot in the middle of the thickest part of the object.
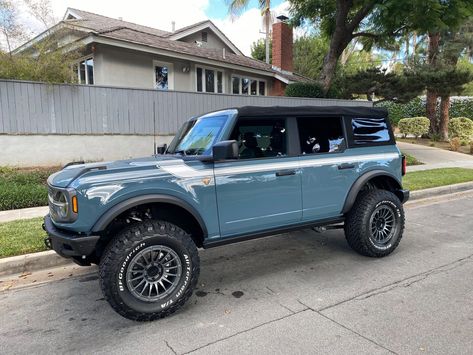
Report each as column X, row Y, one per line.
column 418, row 180
column 21, row 237
column 410, row 160
column 22, row 188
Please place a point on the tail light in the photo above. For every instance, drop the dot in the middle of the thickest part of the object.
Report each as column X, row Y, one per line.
column 404, row 165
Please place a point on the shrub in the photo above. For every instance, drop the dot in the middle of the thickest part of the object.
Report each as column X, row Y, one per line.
column 304, row 90
column 23, row 188
column 471, row 147
column 416, row 126
column 413, row 108
column 459, row 107
column 462, row 128
column 455, row 144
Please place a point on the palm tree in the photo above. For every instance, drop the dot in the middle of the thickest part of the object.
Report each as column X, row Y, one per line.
column 237, row 6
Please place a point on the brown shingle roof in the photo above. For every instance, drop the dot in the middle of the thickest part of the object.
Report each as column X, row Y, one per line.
column 112, row 28
column 97, row 22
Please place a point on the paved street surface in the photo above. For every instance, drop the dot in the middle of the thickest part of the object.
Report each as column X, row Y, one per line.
column 296, row 293
column 434, row 158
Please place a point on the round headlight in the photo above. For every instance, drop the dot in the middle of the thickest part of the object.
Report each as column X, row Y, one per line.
column 63, row 206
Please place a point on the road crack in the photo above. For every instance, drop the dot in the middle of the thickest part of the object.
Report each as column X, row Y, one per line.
column 402, row 283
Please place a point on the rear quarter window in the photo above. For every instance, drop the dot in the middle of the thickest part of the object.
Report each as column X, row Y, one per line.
column 370, row 131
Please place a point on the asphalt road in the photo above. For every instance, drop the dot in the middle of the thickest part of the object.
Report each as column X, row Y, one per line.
column 297, row 293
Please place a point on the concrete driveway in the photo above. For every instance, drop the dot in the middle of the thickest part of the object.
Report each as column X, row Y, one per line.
column 295, row 293
column 434, row 158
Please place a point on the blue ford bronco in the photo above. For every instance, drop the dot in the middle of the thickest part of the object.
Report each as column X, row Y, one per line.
column 227, row 176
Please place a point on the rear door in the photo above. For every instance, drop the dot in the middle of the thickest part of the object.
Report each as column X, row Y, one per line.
column 327, row 172
column 262, row 189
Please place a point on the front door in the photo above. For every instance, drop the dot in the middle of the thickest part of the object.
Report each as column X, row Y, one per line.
column 261, row 190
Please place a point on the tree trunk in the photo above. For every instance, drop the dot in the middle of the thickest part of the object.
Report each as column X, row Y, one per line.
column 432, row 96
column 444, row 117
column 431, row 111
column 338, row 43
column 267, row 17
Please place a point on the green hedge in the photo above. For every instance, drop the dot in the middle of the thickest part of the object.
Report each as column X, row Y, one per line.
column 462, row 128
column 414, row 108
column 417, row 126
column 304, row 90
column 23, row 188
column 459, row 107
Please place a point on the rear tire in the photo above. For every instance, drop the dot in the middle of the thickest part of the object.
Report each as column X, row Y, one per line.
column 149, row 270
column 375, row 224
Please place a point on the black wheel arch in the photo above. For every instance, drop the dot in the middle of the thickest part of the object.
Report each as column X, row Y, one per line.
column 107, row 218
column 378, row 177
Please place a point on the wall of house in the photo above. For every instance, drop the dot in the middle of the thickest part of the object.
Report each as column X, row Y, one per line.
column 122, row 67
column 212, row 40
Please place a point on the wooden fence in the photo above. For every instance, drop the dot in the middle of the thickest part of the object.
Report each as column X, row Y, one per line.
column 39, row 108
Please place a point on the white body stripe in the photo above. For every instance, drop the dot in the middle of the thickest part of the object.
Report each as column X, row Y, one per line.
column 179, row 169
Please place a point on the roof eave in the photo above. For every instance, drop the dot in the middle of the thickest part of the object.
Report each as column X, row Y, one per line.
column 215, row 29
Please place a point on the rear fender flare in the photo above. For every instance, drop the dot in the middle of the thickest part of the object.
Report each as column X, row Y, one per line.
column 361, row 181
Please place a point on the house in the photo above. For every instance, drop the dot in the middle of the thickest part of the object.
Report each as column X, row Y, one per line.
column 196, row 58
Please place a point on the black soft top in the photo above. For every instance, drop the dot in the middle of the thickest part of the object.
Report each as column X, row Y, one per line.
column 353, row 111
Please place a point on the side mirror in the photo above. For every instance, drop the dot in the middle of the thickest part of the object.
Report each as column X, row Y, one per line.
column 225, row 150
column 161, row 149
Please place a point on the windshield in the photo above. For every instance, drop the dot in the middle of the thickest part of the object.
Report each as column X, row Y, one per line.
column 197, row 136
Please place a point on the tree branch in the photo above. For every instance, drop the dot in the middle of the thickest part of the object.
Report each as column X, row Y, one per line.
column 360, row 15
column 366, row 34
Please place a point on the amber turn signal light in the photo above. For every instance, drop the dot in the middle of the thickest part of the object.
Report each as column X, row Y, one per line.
column 75, row 206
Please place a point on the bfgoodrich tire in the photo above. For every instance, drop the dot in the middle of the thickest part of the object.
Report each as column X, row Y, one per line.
column 149, row 270
column 375, row 224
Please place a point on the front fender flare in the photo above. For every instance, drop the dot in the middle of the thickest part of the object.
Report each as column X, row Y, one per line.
column 361, row 181
column 123, row 206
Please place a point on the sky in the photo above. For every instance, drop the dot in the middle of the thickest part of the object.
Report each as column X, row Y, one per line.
column 242, row 31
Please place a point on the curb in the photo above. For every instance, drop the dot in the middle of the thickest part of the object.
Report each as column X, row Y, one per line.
column 441, row 190
column 31, row 262
column 49, row 259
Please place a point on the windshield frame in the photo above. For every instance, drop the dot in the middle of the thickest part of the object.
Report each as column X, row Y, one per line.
column 187, row 127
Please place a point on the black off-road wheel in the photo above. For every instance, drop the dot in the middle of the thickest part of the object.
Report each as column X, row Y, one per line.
column 375, row 224
column 149, row 270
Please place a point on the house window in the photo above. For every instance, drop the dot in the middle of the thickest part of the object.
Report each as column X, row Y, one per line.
column 85, row 71
column 248, row 86
column 204, row 36
column 209, row 80
column 162, row 76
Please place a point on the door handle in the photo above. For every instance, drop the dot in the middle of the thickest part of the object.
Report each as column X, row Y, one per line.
column 286, row 173
column 346, row 166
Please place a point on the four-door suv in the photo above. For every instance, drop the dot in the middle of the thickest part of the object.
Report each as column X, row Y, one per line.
column 227, row 176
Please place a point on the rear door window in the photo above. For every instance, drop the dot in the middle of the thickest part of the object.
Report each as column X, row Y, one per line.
column 370, row 131
column 320, row 135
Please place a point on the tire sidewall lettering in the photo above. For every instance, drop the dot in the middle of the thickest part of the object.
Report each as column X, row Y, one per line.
column 398, row 214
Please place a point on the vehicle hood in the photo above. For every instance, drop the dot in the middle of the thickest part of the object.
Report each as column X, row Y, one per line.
column 69, row 174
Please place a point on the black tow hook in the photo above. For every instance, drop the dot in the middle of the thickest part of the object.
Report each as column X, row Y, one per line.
column 47, row 242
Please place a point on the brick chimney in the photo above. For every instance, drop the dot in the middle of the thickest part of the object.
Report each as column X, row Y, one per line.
column 282, row 45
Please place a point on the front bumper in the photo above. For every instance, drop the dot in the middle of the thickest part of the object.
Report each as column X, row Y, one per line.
column 403, row 195
column 69, row 244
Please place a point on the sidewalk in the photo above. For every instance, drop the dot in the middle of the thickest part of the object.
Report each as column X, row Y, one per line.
column 434, row 158
column 25, row 213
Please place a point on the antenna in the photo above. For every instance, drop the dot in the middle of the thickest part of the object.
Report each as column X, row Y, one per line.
column 154, row 127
